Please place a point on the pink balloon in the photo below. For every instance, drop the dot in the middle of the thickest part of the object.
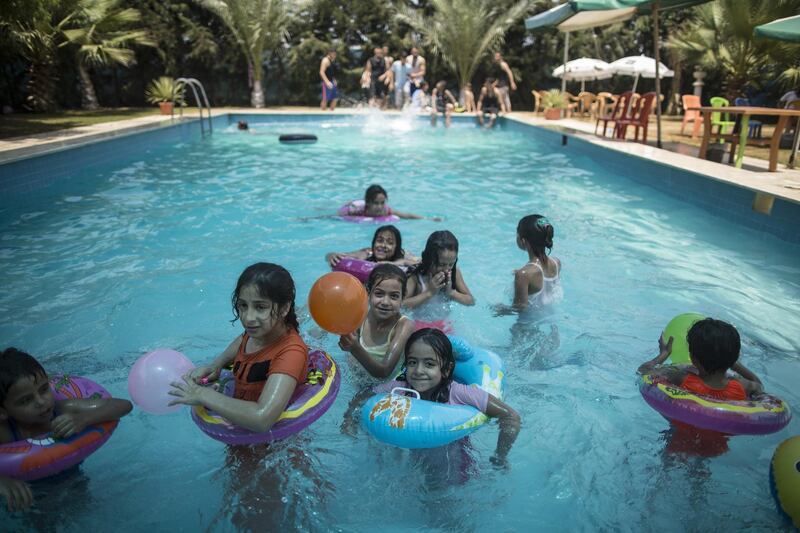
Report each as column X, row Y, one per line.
column 148, row 382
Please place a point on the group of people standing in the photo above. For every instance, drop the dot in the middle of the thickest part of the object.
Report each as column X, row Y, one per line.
column 400, row 82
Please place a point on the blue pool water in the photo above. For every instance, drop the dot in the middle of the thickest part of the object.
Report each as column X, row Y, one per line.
column 144, row 250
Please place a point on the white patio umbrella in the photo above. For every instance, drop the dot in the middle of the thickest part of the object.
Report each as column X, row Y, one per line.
column 583, row 70
column 640, row 66
column 637, row 66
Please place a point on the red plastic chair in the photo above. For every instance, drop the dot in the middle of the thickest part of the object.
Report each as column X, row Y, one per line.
column 618, row 111
column 639, row 119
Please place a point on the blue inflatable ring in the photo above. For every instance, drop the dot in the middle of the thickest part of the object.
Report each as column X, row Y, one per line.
column 408, row 422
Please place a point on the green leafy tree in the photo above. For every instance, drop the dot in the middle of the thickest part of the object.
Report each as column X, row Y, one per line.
column 259, row 26
column 27, row 53
column 720, row 38
column 99, row 31
column 464, row 32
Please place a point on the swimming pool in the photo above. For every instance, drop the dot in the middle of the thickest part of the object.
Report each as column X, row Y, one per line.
column 139, row 241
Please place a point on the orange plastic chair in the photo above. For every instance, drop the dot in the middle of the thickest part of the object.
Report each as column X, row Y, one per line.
column 689, row 101
column 537, row 102
column 586, row 103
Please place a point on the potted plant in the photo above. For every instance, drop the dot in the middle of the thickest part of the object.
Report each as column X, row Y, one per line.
column 553, row 102
column 160, row 91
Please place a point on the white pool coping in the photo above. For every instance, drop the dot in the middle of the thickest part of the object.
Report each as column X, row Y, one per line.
column 784, row 184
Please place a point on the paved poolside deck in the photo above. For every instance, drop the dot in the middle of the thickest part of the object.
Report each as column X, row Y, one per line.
column 785, row 183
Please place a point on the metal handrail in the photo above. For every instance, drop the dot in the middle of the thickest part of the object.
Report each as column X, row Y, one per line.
column 194, row 84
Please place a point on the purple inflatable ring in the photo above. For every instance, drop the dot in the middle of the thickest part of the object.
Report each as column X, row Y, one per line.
column 309, row 402
column 359, row 268
column 759, row 416
column 358, row 205
column 43, row 456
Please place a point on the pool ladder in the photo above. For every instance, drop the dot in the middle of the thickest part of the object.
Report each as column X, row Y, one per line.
column 194, row 84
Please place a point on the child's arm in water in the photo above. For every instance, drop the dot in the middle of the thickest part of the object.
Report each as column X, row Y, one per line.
column 460, row 292
column 256, row 416
column 749, row 380
column 17, row 493
column 673, row 374
column 379, row 368
column 333, row 258
column 77, row 414
column 509, row 427
column 211, row 371
column 412, row 216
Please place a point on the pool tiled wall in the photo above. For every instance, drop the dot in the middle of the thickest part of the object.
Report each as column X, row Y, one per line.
column 722, row 199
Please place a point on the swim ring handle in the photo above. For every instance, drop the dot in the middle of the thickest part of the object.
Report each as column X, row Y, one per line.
column 412, row 391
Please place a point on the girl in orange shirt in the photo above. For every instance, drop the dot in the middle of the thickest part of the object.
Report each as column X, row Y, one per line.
column 269, row 358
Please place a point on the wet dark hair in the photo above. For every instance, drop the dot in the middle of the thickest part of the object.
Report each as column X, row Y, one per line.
column 441, row 345
column 398, row 251
column 243, row 125
column 714, row 344
column 373, row 191
column 537, row 231
column 387, row 271
column 273, row 282
column 437, row 241
column 15, row 365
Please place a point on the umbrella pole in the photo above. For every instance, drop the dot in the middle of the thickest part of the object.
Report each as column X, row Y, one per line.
column 658, row 77
column 583, row 85
column 566, row 56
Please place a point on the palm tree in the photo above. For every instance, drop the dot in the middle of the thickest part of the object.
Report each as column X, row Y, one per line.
column 463, row 32
column 257, row 25
column 99, row 29
column 720, row 38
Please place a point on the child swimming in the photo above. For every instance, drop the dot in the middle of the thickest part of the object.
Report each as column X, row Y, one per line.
column 438, row 273
column 375, row 199
column 28, row 409
column 429, row 365
column 714, row 348
column 269, row 358
column 379, row 342
column 387, row 247
column 538, row 281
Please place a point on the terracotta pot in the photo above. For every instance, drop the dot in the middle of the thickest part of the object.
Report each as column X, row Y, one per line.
column 552, row 113
column 166, row 108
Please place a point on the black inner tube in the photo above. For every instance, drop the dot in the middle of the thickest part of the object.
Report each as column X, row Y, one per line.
column 296, row 138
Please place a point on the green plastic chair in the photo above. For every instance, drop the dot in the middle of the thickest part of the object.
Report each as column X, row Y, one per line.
column 721, row 119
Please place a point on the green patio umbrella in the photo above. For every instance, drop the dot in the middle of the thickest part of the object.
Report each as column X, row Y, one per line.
column 586, row 14
column 787, row 29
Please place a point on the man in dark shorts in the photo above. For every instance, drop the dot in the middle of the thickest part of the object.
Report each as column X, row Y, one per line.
column 503, row 79
column 327, row 71
column 379, row 89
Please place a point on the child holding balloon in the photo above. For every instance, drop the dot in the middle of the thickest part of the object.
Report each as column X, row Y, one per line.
column 28, row 409
column 269, row 358
column 438, row 275
column 378, row 344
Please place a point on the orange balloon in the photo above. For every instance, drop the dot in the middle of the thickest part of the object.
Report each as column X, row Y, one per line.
column 338, row 303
